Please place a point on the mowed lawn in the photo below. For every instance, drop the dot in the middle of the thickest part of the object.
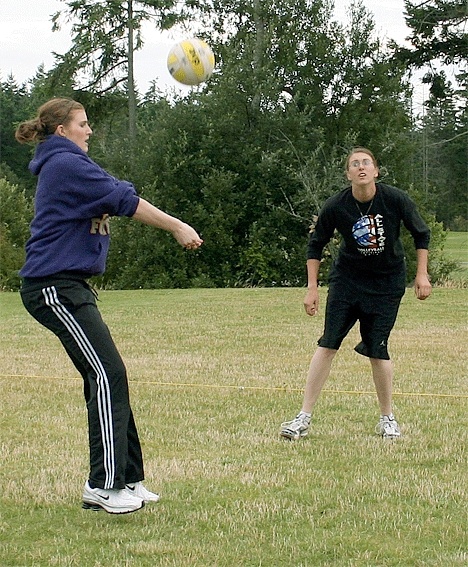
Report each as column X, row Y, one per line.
column 456, row 247
column 213, row 374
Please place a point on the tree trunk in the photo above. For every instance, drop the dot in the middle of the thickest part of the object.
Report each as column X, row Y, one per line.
column 131, row 81
column 259, row 50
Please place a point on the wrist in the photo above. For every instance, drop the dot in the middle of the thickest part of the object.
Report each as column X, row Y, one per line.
column 176, row 225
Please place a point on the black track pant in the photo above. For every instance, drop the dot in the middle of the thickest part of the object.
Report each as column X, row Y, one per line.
column 67, row 307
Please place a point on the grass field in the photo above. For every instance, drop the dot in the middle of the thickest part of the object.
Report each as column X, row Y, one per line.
column 456, row 247
column 213, row 374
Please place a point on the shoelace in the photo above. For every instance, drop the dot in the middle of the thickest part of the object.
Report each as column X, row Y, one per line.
column 296, row 423
column 387, row 426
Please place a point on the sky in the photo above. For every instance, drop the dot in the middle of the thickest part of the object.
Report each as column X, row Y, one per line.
column 27, row 40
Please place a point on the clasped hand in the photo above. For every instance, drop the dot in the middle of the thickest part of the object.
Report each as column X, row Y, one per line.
column 187, row 237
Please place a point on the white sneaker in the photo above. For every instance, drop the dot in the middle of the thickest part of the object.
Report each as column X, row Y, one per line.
column 388, row 427
column 112, row 501
column 138, row 489
column 298, row 427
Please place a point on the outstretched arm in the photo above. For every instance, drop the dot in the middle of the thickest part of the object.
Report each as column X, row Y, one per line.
column 184, row 234
column 422, row 285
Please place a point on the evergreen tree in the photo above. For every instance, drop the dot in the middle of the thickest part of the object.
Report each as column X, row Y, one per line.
column 105, row 35
column 438, row 37
column 15, row 104
column 15, row 216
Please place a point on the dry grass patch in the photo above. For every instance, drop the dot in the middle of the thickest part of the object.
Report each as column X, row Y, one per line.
column 213, row 374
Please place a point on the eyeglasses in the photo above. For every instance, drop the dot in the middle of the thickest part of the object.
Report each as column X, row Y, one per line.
column 365, row 162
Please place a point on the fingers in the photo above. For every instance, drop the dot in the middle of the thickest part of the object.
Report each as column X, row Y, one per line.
column 311, row 308
column 187, row 237
column 311, row 302
column 423, row 292
column 194, row 244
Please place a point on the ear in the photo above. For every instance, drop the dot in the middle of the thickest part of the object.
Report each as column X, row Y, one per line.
column 60, row 130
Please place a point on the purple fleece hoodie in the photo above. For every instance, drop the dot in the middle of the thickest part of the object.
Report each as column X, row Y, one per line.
column 74, row 200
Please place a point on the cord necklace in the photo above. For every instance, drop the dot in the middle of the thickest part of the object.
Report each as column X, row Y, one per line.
column 368, row 209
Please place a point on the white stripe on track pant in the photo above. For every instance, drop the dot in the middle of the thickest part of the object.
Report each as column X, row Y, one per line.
column 68, row 308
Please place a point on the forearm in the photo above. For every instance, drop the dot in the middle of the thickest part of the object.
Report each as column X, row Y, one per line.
column 184, row 234
column 313, row 267
column 311, row 300
column 151, row 215
column 421, row 261
column 422, row 285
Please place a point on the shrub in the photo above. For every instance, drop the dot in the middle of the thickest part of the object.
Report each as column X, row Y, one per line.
column 15, row 216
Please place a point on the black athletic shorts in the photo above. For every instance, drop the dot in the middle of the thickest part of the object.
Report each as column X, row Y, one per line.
column 374, row 303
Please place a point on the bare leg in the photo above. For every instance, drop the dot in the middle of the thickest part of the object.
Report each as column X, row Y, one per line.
column 319, row 370
column 382, row 373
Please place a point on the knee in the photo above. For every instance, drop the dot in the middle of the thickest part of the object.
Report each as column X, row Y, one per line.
column 326, row 353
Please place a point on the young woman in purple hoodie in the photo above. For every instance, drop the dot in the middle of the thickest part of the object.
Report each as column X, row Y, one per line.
column 69, row 242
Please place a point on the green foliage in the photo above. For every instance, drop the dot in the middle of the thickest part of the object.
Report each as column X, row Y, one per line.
column 438, row 36
column 248, row 158
column 459, row 224
column 438, row 30
column 15, row 106
column 100, row 48
column 105, row 36
column 441, row 165
column 440, row 266
column 15, row 216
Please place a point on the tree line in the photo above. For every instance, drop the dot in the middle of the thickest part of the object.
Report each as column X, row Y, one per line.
column 249, row 157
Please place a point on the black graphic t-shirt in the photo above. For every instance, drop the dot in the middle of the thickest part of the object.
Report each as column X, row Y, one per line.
column 371, row 244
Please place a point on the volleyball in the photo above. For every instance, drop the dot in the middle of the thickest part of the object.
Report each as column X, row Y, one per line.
column 191, row 61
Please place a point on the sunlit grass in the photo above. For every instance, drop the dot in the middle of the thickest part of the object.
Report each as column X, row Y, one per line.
column 213, row 373
column 456, row 248
column 456, row 245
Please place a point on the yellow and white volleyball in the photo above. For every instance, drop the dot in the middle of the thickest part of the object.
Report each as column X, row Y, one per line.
column 191, row 61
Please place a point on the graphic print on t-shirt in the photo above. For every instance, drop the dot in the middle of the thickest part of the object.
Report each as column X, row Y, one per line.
column 368, row 231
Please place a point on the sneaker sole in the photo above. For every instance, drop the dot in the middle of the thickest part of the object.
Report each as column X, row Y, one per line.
column 292, row 436
column 97, row 508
